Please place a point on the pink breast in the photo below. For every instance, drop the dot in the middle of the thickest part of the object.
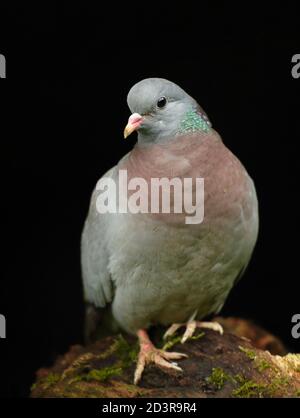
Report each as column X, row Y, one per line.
column 226, row 183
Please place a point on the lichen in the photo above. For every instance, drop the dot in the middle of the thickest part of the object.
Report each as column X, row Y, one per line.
column 218, row 378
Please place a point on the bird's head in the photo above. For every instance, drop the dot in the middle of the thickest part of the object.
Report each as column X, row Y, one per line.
column 161, row 110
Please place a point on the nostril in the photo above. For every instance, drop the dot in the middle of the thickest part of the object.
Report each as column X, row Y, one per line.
column 135, row 118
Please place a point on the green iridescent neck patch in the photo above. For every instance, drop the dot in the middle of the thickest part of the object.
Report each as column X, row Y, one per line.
column 194, row 121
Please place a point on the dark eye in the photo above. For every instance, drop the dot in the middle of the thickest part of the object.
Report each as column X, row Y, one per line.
column 161, row 102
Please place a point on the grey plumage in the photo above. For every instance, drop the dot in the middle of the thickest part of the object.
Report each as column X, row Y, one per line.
column 156, row 269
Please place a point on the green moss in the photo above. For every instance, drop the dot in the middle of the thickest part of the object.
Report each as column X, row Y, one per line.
column 49, row 380
column 219, row 377
column 177, row 339
column 238, row 378
column 171, row 342
column 197, row 337
column 52, row 378
column 126, row 353
column 246, row 388
column 297, row 393
column 262, row 365
column 100, row 375
column 249, row 389
column 249, row 353
column 278, row 384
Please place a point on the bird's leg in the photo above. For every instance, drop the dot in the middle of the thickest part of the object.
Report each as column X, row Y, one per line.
column 191, row 326
column 150, row 354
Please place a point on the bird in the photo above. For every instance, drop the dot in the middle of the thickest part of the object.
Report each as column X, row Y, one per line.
column 155, row 268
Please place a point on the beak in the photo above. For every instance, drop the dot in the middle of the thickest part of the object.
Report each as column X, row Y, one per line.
column 134, row 122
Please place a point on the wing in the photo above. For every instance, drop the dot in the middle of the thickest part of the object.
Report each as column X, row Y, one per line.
column 241, row 273
column 97, row 283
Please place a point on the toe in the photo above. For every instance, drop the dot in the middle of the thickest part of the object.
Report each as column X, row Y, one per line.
column 139, row 369
column 215, row 326
column 190, row 329
column 160, row 361
column 173, row 356
column 218, row 328
column 171, row 330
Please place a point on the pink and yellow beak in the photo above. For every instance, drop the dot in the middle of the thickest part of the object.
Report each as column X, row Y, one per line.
column 134, row 122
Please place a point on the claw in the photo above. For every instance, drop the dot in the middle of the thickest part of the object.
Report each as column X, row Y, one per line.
column 150, row 354
column 191, row 326
column 189, row 332
column 215, row 326
column 171, row 330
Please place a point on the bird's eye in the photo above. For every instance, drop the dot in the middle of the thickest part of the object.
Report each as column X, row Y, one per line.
column 161, row 102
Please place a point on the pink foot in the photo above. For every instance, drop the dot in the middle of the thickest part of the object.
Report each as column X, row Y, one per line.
column 150, row 354
column 191, row 327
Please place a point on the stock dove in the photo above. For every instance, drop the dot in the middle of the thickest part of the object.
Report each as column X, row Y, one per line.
column 155, row 268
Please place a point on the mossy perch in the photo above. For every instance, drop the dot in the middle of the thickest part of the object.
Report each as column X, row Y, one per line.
column 217, row 366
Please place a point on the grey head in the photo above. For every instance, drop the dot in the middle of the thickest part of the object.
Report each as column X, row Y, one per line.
column 159, row 109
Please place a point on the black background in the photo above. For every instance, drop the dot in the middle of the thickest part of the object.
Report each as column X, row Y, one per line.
column 63, row 110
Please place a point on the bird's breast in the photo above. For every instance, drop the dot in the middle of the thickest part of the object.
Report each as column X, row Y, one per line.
column 227, row 188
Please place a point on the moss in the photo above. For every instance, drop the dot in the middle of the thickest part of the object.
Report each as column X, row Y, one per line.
column 52, row 378
column 82, row 390
column 278, row 384
column 246, row 388
column 177, row 339
column 249, row 389
column 47, row 381
column 238, row 378
column 297, row 393
column 126, row 353
column 219, row 377
column 249, row 353
column 33, row 386
column 197, row 337
column 171, row 342
column 100, row 375
column 263, row 365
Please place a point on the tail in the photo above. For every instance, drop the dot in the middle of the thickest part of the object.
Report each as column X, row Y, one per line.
column 99, row 323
